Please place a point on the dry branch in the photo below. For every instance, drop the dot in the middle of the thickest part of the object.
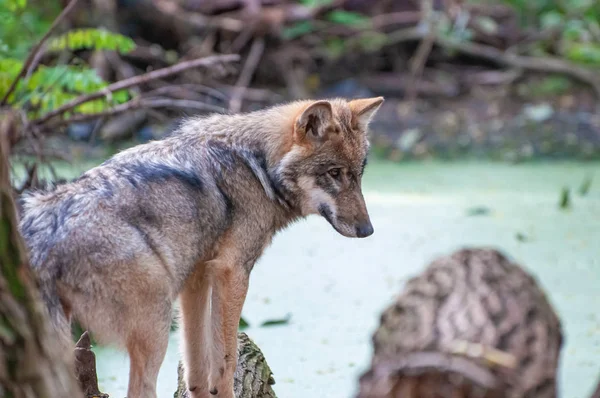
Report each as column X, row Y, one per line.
column 256, row 52
column 136, row 81
column 538, row 64
column 138, row 103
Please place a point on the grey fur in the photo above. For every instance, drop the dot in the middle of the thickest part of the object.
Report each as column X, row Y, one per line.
column 116, row 247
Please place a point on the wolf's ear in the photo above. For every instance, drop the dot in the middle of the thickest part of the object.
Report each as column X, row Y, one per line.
column 364, row 109
column 313, row 123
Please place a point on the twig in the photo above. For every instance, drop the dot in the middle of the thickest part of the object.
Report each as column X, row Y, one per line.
column 395, row 18
column 254, row 56
column 417, row 63
column 33, row 54
column 175, row 90
column 539, row 64
column 136, row 81
column 137, row 104
column 196, row 20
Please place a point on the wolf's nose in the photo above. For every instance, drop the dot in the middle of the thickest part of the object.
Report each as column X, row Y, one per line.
column 364, row 230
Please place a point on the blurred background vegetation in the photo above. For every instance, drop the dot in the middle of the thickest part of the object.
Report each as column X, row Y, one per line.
column 512, row 80
column 509, row 80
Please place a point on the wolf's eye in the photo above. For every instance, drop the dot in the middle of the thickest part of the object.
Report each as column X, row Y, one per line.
column 335, row 173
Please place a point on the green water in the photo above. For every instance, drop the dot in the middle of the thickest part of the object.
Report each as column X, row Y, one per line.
column 334, row 287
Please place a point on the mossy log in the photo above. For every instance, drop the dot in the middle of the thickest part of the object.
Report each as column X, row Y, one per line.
column 30, row 363
column 473, row 324
column 253, row 377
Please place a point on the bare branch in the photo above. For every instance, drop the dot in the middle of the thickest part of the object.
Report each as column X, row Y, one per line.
column 539, row 64
column 137, row 103
column 136, row 81
column 34, row 52
column 256, row 52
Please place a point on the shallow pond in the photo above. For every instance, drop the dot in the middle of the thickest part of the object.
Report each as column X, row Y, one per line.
column 334, row 287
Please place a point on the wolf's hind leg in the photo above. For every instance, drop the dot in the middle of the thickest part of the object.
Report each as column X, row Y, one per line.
column 194, row 305
column 147, row 341
column 229, row 288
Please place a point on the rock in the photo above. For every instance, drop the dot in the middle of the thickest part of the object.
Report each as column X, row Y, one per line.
column 538, row 113
column 473, row 324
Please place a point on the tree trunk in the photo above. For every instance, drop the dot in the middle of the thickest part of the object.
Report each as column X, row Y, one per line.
column 30, row 364
column 253, row 377
column 596, row 393
column 473, row 324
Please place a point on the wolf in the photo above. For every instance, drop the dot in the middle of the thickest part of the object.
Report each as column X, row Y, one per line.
column 186, row 218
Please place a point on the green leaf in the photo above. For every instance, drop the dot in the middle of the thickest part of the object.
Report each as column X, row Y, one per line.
column 335, row 47
column 348, row 18
column 297, row 30
column 14, row 5
column 96, row 39
column 552, row 85
column 575, row 30
column 565, row 199
column 372, row 41
column 243, row 324
column 316, row 3
column 584, row 189
column 478, row 211
column 521, row 237
column 585, row 53
column 277, row 322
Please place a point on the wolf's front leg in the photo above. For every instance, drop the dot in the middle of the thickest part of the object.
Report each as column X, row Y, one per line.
column 229, row 287
column 195, row 319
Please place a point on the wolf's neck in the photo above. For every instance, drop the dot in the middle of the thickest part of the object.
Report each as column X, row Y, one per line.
column 268, row 133
column 259, row 139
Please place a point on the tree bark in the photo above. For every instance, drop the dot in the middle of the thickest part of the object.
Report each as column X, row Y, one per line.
column 596, row 393
column 30, row 364
column 253, row 377
column 473, row 324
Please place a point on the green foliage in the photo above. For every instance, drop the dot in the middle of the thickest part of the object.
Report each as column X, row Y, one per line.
column 576, row 21
column 316, row 3
column 14, row 5
column 97, row 39
column 22, row 23
column 51, row 86
column 297, row 30
column 348, row 18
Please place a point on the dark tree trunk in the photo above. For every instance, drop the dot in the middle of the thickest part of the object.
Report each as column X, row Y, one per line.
column 253, row 377
column 30, row 364
column 473, row 324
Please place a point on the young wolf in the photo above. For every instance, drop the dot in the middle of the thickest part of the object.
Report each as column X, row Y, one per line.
column 187, row 217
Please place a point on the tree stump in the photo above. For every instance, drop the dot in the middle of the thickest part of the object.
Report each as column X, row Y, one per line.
column 253, row 377
column 471, row 325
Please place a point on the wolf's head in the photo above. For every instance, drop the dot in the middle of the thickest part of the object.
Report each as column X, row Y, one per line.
column 327, row 159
